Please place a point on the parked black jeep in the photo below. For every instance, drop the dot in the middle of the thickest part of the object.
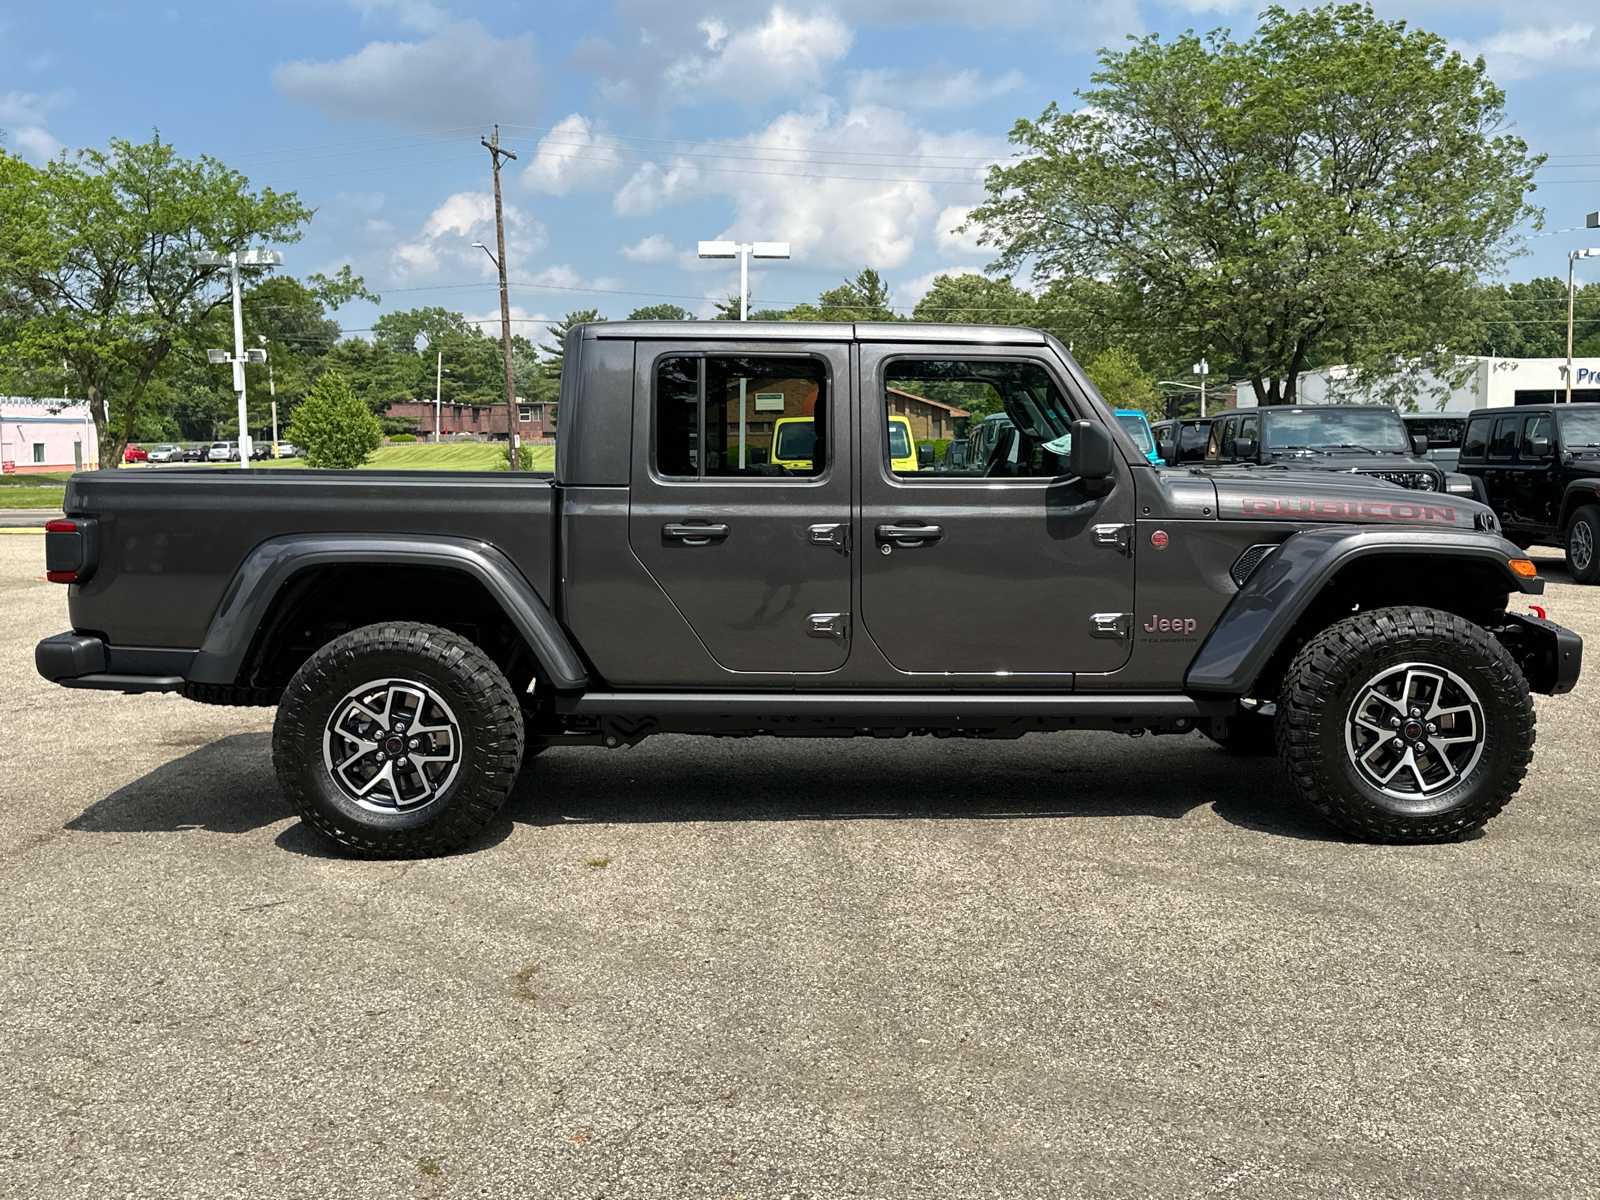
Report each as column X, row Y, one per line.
column 421, row 633
column 1539, row 468
column 1358, row 439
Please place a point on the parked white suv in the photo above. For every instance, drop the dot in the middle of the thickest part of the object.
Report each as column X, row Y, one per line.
column 223, row 452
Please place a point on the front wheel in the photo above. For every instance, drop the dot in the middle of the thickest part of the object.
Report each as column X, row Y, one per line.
column 398, row 740
column 1583, row 539
column 1406, row 725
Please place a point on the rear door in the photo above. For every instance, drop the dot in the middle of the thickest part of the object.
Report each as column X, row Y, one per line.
column 754, row 553
column 1004, row 568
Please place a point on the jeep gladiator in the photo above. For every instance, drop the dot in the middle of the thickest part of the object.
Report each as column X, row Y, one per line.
column 421, row 634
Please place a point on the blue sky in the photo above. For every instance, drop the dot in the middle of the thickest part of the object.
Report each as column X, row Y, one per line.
column 855, row 131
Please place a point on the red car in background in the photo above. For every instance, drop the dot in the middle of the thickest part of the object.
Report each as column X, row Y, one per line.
column 134, row 454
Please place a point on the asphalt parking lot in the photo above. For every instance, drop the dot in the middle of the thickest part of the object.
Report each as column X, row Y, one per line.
column 1070, row 966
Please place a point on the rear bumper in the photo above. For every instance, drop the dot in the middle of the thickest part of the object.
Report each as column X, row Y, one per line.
column 81, row 660
column 1550, row 655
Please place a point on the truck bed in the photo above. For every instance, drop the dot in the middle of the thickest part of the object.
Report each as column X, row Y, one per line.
column 170, row 540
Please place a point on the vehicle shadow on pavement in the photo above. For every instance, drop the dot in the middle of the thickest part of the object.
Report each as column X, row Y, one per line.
column 220, row 788
column 603, row 787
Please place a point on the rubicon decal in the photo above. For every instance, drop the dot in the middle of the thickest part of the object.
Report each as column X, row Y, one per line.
column 1170, row 624
column 1370, row 510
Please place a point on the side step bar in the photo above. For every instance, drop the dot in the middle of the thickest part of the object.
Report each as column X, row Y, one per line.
column 895, row 704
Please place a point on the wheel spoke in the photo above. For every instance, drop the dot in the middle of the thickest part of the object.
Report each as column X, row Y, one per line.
column 384, row 775
column 1440, row 733
column 376, row 713
column 363, row 749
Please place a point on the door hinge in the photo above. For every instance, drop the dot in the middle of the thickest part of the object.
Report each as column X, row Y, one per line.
column 1110, row 625
column 835, row 534
column 1110, row 535
column 828, row 625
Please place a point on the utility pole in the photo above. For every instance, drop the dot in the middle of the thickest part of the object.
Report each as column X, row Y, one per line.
column 1573, row 257
column 438, row 394
column 492, row 144
column 233, row 260
column 272, row 390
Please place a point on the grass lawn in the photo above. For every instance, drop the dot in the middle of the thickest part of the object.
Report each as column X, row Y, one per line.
column 32, row 497
column 47, row 478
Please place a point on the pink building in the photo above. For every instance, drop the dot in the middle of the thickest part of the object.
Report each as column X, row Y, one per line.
column 45, row 435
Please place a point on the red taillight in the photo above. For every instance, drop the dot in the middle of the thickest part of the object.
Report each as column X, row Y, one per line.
column 61, row 527
column 61, row 576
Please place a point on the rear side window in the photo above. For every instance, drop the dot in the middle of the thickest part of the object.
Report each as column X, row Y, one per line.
column 1504, row 442
column 1476, row 442
column 755, row 418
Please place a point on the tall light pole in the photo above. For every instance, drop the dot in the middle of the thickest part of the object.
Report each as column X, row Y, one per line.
column 1202, row 369
column 495, row 153
column 1572, row 257
column 438, row 395
column 744, row 252
column 233, row 260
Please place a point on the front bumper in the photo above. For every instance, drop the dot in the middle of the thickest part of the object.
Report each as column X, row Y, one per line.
column 1550, row 655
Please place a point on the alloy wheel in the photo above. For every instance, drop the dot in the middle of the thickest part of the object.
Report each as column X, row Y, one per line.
column 392, row 745
column 1414, row 732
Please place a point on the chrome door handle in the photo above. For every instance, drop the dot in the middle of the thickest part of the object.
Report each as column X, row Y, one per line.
column 693, row 535
column 909, row 535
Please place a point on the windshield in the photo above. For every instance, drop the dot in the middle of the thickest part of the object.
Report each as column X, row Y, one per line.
column 797, row 440
column 899, row 443
column 1137, row 430
column 1581, row 430
column 1356, row 429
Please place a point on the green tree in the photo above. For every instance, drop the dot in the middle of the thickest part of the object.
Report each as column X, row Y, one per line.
column 864, row 298
column 1330, row 189
column 661, row 312
column 97, row 262
column 334, row 426
column 401, row 331
column 1529, row 320
column 1117, row 374
column 976, row 300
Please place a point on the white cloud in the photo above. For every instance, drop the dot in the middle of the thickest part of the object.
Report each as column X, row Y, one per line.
column 653, row 249
column 938, row 86
column 913, row 290
column 945, row 235
column 572, row 157
column 1518, row 53
column 413, row 14
column 786, row 55
column 533, row 326
column 444, row 244
column 650, row 187
column 844, row 190
column 461, row 75
column 24, row 117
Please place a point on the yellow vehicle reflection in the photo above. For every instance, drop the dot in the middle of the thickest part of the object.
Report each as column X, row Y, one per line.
column 794, row 440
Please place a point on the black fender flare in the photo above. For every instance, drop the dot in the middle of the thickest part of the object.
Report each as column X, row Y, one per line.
column 273, row 563
column 1264, row 611
column 1578, row 493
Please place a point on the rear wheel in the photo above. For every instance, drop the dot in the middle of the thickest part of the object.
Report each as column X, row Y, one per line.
column 1583, row 540
column 398, row 740
column 1406, row 725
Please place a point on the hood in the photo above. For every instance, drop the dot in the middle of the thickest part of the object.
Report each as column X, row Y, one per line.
column 1327, row 496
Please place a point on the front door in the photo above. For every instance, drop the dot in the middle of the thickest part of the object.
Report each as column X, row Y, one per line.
column 740, row 504
column 1002, row 566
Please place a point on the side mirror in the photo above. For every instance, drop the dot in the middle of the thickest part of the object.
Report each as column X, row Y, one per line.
column 1244, row 447
column 1419, row 445
column 1539, row 448
column 1091, row 455
column 924, row 456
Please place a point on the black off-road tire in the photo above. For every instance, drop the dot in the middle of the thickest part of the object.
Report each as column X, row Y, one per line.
column 1248, row 735
column 1583, row 545
column 1337, row 667
column 481, row 705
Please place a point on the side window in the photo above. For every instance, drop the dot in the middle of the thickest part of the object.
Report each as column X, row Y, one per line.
column 1533, row 429
column 1476, row 441
column 1504, row 442
column 1230, row 431
column 1247, row 429
column 757, row 418
column 1010, row 414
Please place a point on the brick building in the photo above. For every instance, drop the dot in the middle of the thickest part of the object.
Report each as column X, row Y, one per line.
column 930, row 420
column 536, row 422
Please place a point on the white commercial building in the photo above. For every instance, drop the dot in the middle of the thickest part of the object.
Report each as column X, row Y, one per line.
column 1488, row 383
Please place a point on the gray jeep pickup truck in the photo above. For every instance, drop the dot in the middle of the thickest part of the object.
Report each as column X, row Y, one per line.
column 687, row 570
